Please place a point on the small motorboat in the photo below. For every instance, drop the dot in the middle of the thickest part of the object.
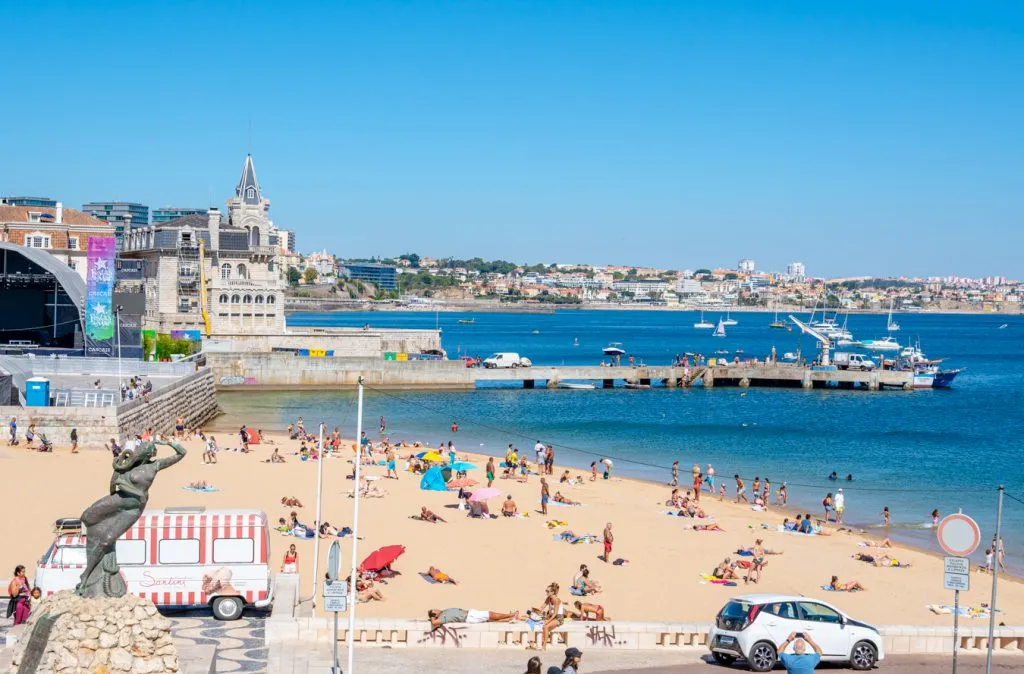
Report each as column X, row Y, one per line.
column 577, row 387
column 884, row 344
column 721, row 352
column 1003, row 326
column 467, row 321
column 614, row 349
column 535, row 332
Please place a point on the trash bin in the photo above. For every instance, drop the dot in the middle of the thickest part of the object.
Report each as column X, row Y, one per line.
column 37, row 392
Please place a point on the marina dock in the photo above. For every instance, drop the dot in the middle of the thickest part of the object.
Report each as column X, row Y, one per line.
column 280, row 371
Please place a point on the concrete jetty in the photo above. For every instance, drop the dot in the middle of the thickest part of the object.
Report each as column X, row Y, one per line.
column 269, row 371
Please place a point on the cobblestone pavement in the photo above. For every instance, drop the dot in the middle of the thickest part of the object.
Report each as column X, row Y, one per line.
column 241, row 644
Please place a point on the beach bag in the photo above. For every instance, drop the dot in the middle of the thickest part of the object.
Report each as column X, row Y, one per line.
column 11, row 606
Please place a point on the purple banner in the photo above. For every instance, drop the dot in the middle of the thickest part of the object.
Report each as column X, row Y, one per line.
column 99, row 289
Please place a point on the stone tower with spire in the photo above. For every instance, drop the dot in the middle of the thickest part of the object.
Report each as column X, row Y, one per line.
column 248, row 209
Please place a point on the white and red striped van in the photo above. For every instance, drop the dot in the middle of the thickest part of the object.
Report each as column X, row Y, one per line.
column 179, row 558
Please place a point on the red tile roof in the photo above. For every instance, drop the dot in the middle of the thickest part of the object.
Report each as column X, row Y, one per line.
column 70, row 215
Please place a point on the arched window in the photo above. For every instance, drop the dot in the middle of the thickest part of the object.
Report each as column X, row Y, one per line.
column 271, row 299
column 247, row 299
column 223, row 299
column 259, row 299
column 250, row 193
column 225, row 271
column 235, row 299
column 254, row 237
column 243, row 273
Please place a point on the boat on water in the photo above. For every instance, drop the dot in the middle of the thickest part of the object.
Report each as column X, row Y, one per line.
column 702, row 324
column 928, row 372
column 729, row 320
column 789, row 355
column 776, row 323
column 884, row 344
column 576, row 341
column 1003, row 326
column 891, row 325
column 614, row 349
column 577, row 387
column 467, row 321
column 720, row 330
column 721, row 352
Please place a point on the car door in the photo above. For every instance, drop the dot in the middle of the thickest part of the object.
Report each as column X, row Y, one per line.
column 826, row 626
column 780, row 619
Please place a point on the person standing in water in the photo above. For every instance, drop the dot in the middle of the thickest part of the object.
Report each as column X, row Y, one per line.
column 886, row 517
column 675, row 474
column 709, row 478
column 935, row 518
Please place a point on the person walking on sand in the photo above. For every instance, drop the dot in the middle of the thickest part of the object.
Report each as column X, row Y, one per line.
column 490, row 471
column 13, row 427
column 741, row 489
column 839, row 503
column 709, row 479
column 74, row 441
column 389, row 456
column 826, row 503
column 675, row 474
column 698, row 480
column 545, row 495
column 799, row 661
column 608, row 540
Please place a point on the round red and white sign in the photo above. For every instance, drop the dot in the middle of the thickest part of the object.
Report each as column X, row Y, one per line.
column 959, row 535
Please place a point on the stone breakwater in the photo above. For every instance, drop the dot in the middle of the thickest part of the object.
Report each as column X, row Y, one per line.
column 98, row 636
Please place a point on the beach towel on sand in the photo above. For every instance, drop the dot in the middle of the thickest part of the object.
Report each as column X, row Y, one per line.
column 203, row 490
column 719, row 581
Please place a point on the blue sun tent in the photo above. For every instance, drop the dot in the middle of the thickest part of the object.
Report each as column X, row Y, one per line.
column 433, row 480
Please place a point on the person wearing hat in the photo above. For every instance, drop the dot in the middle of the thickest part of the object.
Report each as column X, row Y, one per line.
column 572, row 660
column 839, row 503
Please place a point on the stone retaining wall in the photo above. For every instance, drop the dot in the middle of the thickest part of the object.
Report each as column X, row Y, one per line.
column 397, row 633
column 238, row 371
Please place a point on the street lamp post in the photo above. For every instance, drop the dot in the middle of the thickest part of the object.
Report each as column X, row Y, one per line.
column 117, row 327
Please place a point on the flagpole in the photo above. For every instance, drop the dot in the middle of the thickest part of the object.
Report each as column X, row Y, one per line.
column 353, row 593
column 316, row 523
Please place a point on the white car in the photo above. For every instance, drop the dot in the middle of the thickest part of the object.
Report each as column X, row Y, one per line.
column 752, row 626
column 506, row 359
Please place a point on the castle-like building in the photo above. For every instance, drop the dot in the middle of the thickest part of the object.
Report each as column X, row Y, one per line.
column 202, row 273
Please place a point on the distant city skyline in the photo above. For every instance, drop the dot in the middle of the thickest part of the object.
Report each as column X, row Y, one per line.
column 860, row 140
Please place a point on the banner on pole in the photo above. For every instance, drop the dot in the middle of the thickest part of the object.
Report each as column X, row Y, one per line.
column 99, row 292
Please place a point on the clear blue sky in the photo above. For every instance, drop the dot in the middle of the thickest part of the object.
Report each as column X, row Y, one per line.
column 859, row 137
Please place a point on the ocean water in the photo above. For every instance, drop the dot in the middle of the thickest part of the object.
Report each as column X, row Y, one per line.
column 910, row 451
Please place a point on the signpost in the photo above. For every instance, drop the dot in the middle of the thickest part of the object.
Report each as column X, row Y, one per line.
column 959, row 536
column 335, row 595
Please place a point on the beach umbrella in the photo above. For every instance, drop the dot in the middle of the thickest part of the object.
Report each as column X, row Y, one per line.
column 378, row 559
column 432, row 456
column 461, row 483
column 462, row 465
column 422, row 454
column 484, row 494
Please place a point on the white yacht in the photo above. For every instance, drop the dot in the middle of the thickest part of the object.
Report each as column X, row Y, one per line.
column 884, row 344
column 702, row 324
column 729, row 320
column 614, row 349
column 891, row 325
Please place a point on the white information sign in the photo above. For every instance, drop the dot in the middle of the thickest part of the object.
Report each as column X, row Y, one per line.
column 956, row 573
column 335, row 596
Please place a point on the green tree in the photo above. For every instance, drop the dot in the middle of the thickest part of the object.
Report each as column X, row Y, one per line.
column 412, row 258
column 702, row 272
column 310, row 275
column 293, row 276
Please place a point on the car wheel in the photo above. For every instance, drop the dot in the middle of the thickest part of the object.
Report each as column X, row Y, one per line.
column 227, row 608
column 723, row 659
column 864, row 656
column 762, row 657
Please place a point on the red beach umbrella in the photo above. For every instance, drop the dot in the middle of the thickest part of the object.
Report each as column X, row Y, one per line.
column 462, row 482
column 378, row 559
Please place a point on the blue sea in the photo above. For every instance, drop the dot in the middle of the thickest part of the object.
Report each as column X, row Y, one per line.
column 910, row 451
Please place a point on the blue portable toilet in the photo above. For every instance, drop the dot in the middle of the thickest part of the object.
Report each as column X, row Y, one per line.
column 37, row 392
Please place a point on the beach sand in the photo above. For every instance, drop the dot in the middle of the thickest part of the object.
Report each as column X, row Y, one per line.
column 502, row 564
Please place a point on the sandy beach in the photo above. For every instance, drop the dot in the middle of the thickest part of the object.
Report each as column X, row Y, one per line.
column 504, row 564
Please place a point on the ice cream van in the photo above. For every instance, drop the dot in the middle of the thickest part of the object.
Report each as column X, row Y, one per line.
column 178, row 558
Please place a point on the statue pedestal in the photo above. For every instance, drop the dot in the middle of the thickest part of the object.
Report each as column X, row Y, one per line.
column 67, row 634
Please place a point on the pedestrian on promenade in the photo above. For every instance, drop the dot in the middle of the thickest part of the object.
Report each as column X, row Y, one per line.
column 18, row 591
column 533, row 665
column 571, row 664
column 799, row 661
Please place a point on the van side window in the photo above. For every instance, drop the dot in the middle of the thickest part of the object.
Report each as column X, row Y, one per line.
column 71, row 555
column 233, row 551
column 130, row 552
column 179, row 551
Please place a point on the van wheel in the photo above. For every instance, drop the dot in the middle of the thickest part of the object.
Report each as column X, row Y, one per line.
column 863, row 656
column 762, row 657
column 227, row 608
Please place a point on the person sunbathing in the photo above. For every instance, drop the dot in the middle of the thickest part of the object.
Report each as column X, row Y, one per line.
column 327, row 531
column 276, row 457
column 725, row 570
column 282, row 526
column 849, row 586
column 451, row 616
column 428, row 516
column 440, row 576
column 675, row 500
column 508, row 508
column 366, row 591
column 567, row 501
column 291, row 502
column 200, row 485
column 565, row 478
column 593, row 612
column 886, row 543
column 710, row 526
column 881, row 560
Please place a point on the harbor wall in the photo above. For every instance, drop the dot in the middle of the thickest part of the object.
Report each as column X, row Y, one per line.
column 284, row 371
column 345, row 342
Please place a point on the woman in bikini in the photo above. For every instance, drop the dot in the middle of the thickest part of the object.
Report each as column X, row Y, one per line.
column 845, row 587
column 589, row 611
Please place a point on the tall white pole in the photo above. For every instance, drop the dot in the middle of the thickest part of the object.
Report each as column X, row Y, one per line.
column 995, row 581
column 316, row 524
column 117, row 318
column 353, row 594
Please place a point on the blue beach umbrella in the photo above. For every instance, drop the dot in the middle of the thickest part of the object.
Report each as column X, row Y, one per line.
column 461, row 466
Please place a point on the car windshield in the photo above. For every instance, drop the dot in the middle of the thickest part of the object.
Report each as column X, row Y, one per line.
column 736, row 610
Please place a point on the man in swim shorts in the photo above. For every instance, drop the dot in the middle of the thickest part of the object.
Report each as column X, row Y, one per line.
column 608, row 540
column 450, row 616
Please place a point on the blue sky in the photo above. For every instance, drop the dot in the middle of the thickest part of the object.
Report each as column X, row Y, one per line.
column 859, row 137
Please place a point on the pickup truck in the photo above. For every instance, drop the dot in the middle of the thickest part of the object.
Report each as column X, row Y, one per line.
column 852, row 361
column 506, row 359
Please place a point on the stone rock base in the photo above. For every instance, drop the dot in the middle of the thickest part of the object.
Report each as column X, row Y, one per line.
column 99, row 636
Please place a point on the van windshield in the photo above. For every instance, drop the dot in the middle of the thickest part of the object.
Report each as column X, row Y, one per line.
column 46, row 555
